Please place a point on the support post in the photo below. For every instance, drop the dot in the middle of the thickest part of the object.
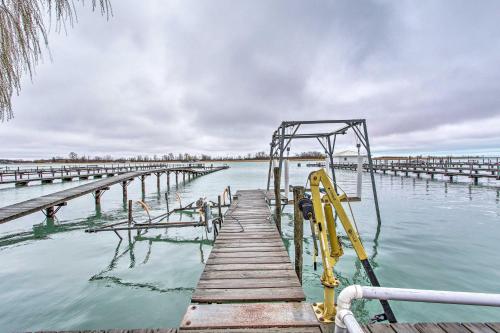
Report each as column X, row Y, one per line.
column 143, row 184
column 50, row 212
column 129, row 213
column 124, row 190
column 168, row 179
column 298, row 230
column 176, row 178
column 230, row 195
column 183, row 177
column 219, row 206
column 372, row 176
column 270, row 164
column 97, row 197
column 277, row 198
column 158, row 181
column 287, row 178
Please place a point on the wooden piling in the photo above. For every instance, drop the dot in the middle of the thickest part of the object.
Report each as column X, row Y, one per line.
column 277, row 198
column 219, row 206
column 97, row 196
column 298, row 230
column 168, row 179
column 143, row 184
column 50, row 212
column 124, row 190
column 129, row 213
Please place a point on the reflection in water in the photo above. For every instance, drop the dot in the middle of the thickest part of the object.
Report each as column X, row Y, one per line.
column 132, row 241
column 51, row 226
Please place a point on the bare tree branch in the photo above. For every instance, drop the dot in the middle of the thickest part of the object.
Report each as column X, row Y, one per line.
column 24, row 35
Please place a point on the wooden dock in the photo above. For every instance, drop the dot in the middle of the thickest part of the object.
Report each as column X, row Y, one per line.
column 46, row 175
column 432, row 167
column 248, row 262
column 248, row 280
column 50, row 203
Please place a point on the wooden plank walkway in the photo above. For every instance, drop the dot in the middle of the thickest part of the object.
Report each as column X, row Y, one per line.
column 248, row 281
column 248, row 262
column 27, row 207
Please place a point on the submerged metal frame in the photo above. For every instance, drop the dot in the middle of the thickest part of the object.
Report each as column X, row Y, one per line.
column 281, row 141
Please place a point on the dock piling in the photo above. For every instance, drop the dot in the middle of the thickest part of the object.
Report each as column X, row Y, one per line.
column 298, row 230
column 277, row 198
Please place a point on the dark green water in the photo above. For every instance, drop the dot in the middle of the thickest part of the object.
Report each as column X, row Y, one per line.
column 55, row 276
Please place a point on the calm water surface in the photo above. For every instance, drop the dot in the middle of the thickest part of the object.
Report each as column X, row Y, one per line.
column 53, row 275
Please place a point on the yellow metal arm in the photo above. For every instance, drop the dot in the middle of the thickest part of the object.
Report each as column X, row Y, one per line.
column 320, row 210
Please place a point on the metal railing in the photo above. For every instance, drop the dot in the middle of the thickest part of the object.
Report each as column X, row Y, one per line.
column 346, row 322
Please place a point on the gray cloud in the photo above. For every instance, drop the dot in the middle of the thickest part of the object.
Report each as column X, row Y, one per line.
column 219, row 76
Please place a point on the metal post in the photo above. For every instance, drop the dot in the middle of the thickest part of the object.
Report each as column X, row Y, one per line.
column 298, row 230
column 270, row 164
column 287, row 178
column 277, row 198
column 281, row 143
column 370, row 167
column 229, row 193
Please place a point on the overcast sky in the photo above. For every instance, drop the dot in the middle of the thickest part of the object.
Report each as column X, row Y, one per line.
column 219, row 76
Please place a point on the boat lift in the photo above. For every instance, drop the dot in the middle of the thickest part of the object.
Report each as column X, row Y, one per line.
column 201, row 207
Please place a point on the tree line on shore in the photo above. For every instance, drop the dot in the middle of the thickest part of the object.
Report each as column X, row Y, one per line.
column 168, row 157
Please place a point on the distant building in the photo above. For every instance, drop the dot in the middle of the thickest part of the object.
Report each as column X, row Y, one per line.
column 348, row 156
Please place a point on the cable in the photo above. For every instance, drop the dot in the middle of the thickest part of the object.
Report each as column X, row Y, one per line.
column 234, row 217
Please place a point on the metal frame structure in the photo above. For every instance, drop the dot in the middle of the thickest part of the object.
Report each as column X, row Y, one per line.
column 289, row 130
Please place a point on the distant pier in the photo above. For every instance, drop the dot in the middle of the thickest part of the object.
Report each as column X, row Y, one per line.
column 450, row 167
column 24, row 176
column 51, row 203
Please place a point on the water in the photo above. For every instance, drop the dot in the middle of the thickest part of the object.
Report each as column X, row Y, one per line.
column 434, row 235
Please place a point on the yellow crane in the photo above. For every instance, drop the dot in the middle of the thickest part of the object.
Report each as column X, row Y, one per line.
column 319, row 209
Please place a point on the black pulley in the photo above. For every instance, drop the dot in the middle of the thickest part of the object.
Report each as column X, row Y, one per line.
column 306, row 207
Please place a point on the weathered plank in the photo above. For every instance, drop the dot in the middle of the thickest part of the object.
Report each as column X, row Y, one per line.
column 255, row 260
column 453, row 328
column 247, row 283
column 259, row 330
column 247, row 254
column 244, row 267
column 380, row 328
column 428, row 328
column 246, row 274
column 256, row 315
column 404, row 328
column 478, row 328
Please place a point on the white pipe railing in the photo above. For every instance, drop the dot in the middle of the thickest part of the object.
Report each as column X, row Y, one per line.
column 345, row 320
